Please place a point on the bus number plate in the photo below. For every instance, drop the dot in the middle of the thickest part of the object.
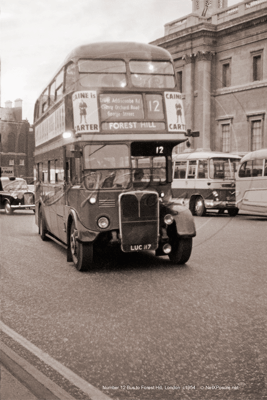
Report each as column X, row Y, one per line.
column 138, row 247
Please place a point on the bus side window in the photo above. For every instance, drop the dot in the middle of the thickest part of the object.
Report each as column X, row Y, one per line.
column 52, row 172
column 180, row 170
column 70, row 77
column 59, row 85
column 202, row 172
column 40, row 172
column 59, row 175
column 265, row 168
column 257, row 167
column 44, row 101
column 45, row 172
column 248, row 169
column 192, row 169
column 52, row 91
column 242, row 172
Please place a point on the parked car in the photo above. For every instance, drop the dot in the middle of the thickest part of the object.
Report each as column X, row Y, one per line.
column 15, row 195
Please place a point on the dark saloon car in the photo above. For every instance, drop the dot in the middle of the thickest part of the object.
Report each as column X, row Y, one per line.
column 15, row 195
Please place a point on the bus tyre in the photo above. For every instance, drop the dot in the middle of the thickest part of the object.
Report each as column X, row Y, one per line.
column 181, row 250
column 233, row 212
column 42, row 226
column 81, row 253
column 8, row 209
column 200, row 209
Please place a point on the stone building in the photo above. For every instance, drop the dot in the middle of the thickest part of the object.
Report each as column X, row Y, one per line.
column 16, row 142
column 220, row 56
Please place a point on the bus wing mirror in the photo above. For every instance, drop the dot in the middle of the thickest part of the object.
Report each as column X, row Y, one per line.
column 192, row 133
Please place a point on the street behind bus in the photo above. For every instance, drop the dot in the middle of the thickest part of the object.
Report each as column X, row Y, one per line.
column 142, row 327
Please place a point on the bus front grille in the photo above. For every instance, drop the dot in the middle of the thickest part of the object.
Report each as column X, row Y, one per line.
column 139, row 220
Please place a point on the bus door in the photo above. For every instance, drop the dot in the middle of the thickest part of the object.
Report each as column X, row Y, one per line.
column 179, row 179
column 252, row 186
column 60, row 188
column 202, row 179
column 190, row 181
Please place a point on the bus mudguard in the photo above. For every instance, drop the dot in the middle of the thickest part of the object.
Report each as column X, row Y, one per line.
column 183, row 218
column 84, row 235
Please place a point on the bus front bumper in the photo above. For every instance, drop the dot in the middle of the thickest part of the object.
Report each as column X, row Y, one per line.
column 23, row 207
column 213, row 204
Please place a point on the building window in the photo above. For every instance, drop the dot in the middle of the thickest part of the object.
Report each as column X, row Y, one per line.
column 226, row 75
column 257, row 68
column 21, row 162
column 197, row 4
column 226, row 138
column 256, row 135
column 11, row 162
column 220, row 3
column 180, row 81
column 257, row 65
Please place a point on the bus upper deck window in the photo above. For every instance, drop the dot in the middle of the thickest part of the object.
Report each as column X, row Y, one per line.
column 102, row 73
column 152, row 74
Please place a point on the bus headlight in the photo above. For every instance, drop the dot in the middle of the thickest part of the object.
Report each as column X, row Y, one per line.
column 168, row 219
column 92, row 200
column 103, row 222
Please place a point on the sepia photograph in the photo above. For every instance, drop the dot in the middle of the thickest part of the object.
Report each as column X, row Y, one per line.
column 133, row 200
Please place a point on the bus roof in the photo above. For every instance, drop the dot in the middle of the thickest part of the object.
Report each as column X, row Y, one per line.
column 196, row 155
column 119, row 50
column 257, row 154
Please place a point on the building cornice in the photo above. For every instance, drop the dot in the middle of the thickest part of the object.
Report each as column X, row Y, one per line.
column 199, row 56
column 214, row 31
column 236, row 89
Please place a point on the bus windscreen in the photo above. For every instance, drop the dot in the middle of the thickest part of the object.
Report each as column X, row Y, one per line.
column 223, row 168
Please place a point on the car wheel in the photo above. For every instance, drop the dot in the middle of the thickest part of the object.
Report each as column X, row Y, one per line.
column 81, row 253
column 200, row 209
column 8, row 209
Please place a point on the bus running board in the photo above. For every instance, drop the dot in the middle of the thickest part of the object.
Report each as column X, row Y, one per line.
column 57, row 241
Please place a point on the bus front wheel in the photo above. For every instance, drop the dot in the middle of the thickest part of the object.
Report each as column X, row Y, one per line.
column 233, row 212
column 81, row 253
column 200, row 209
column 181, row 250
column 42, row 225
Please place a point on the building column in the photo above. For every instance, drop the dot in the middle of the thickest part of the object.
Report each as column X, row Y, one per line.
column 203, row 97
column 189, row 91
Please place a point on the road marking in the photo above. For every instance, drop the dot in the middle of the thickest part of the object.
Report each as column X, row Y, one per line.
column 76, row 380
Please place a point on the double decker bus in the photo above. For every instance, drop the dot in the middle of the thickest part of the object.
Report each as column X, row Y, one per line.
column 105, row 127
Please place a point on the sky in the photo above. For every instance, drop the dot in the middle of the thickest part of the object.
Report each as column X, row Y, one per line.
column 36, row 36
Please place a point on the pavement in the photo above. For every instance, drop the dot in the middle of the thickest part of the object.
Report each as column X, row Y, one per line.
column 12, row 389
column 19, row 380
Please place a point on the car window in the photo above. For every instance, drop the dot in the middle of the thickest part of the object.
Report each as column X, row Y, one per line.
column 14, row 185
